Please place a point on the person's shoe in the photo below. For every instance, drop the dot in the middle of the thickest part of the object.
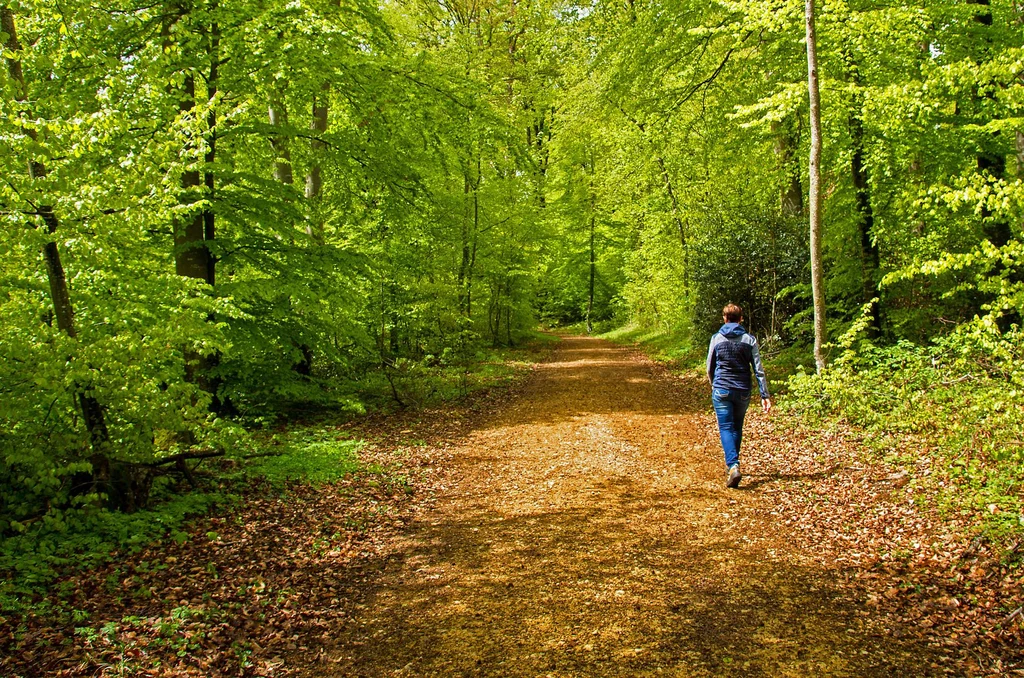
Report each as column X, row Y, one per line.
column 734, row 476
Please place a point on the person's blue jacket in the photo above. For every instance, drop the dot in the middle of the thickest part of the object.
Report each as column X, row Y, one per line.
column 730, row 356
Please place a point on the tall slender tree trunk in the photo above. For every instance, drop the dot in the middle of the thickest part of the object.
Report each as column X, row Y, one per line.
column 93, row 412
column 494, row 314
column 677, row 217
column 314, row 180
column 464, row 263
column 593, row 272
column 470, row 233
column 278, row 115
column 192, row 256
column 474, row 242
column 537, row 136
column 870, row 263
column 791, row 191
column 508, row 318
column 209, row 178
column 591, row 169
column 209, row 382
column 990, row 159
column 814, row 168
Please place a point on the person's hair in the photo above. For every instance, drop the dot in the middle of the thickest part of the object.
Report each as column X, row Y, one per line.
column 732, row 313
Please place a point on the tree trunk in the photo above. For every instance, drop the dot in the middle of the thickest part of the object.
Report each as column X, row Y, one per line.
column 537, row 136
column 494, row 315
column 394, row 319
column 991, row 160
column 475, row 241
column 464, row 263
column 192, row 257
column 814, row 168
column 470, row 232
column 209, row 179
column 1019, row 147
column 314, row 180
column 791, row 192
column 93, row 412
column 676, row 216
column 278, row 114
column 593, row 273
column 869, row 257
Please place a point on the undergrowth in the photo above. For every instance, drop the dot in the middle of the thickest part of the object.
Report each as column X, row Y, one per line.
column 64, row 541
column 61, row 541
column 309, row 455
column 85, row 538
column 674, row 346
column 950, row 413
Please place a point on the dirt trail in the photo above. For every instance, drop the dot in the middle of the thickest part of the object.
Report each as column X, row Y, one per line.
column 586, row 531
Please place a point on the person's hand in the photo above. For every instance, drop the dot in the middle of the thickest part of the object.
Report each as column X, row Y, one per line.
column 766, row 405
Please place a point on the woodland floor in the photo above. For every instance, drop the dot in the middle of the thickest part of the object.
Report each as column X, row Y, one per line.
column 575, row 525
column 587, row 532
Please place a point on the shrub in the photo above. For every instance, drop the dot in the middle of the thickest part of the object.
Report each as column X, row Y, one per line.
column 958, row 401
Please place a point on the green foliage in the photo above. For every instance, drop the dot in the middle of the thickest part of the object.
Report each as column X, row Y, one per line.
column 750, row 259
column 678, row 347
column 311, row 455
column 39, row 551
column 85, row 537
column 36, row 551
column 682, row 129
column 451, row 376
column 386, row 247
column 952, row 410
column 135, row 639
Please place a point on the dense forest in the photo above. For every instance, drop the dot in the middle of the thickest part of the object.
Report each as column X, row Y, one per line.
column 219, row 212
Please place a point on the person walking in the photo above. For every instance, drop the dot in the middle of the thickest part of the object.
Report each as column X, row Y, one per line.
column 731, row 354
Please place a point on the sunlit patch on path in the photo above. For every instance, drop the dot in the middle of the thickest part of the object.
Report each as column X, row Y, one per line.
column 587, row 532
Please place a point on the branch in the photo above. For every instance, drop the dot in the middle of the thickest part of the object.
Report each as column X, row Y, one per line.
column 184, row 456
column 19, row 194
column 711, row 78
column 442, row 92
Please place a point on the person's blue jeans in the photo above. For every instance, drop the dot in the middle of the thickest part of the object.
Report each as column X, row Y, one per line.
column 730, row 408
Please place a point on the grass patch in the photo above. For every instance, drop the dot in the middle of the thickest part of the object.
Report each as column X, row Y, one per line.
column 310, row 455
column 436, row 380
column 675, row 347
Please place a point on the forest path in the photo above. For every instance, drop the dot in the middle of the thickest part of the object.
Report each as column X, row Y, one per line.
column 586, row 531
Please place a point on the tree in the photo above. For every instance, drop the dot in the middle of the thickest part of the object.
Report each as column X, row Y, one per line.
column 92, row 410
column 814, row 169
